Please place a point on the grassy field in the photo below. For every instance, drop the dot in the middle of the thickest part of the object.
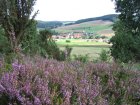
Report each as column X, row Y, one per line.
column 92, row 52
column 82, row 47
column 80, row 42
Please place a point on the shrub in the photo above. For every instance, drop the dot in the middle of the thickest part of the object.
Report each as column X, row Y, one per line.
column 48, row 47
column 81, row 58
column 68, row 51
column 97, row 37
column 49, row 82
column 68, row 41
column 54, row 52
column 103, row 37
column 104, row 56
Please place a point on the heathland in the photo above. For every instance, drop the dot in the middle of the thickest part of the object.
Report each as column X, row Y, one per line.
column 92, row 61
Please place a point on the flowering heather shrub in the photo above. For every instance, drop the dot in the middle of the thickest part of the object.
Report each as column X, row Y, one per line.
column 49, row 82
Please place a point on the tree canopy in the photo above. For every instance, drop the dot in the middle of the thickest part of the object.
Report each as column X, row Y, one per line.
column 126, row 42
column 15, row 19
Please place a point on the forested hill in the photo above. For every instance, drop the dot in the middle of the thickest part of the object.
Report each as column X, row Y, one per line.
column 55, row 24
column 111, row 17
column 49, row 24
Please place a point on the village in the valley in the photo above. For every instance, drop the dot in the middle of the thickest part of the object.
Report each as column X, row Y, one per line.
column 83, row 36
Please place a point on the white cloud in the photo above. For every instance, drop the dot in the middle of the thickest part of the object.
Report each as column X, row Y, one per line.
column 72, row 9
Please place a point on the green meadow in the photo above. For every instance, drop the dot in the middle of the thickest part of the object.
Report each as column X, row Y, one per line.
column 83, row 47
column 80, row 42
column 92, row 51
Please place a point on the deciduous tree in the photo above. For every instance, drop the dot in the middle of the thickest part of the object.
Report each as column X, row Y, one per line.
column 126, row 42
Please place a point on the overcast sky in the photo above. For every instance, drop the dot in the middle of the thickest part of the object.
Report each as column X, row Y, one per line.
column 71, row 10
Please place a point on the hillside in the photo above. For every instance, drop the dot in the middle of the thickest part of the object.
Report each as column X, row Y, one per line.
column 48, row 24
column 55, row 24
column 110, row 17
column 91, row 27
column 98, row 25
column 52, row 24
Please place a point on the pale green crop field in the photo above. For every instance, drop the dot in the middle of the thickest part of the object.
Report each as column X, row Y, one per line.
column 80, row 42
column 83, row 47
column 92, row 52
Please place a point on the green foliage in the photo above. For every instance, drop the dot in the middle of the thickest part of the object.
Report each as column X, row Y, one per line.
column 97, row 37
column 48, row 47
column 68, row 51
column 104, row 56
column 90, row 37
column 9, row 57
column 4, row 100
column 67, row 41
column 81, row 58
column 126, row 42
column 74, row 98
column 4, row 44
column 57, row 96
column 15, row 20
column 45, row 34
column 53, row 50
column 123, row 47
column 48, row 25
column 34, row 43
column 104, row 37
column 30, row 42
column 5, row 66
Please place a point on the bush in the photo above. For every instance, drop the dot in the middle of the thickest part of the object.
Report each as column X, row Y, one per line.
column 68, row 41
column 48, row 47
column 68, row 51
column 97, row 37
column 104, row 37
column 81, row 58
column 104, row 56
column 49, row 82
column 30, row 43
column 53, row 51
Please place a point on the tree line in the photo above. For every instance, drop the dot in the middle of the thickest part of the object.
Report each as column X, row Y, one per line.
column 18, row 31
column 49, row 25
